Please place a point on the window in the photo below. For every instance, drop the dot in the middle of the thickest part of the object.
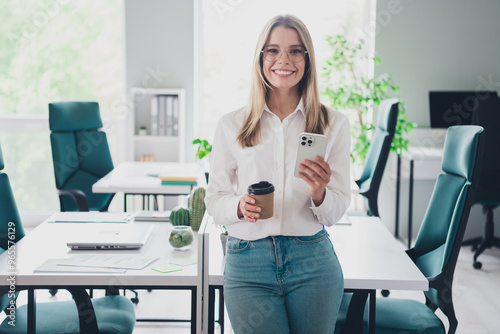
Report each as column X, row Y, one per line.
column 235, row 25
column 53, row 50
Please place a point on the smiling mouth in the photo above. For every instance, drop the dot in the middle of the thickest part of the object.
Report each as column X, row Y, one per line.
column 282, row 72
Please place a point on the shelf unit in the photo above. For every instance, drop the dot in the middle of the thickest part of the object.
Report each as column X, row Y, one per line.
column 164, row 148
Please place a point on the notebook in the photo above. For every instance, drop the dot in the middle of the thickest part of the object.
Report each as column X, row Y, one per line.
column 111, row 236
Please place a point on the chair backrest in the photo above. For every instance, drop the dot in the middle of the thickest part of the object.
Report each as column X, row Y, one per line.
column 439, row 239
column 11, row 228
column 80, row 151
column 487, row 116
column 378, row 153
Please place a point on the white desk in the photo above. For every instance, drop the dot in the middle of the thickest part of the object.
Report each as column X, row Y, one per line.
column 370, row 257
column 140, row 178
column 47, row 241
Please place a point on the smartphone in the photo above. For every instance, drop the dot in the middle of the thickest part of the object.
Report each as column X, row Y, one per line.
column 310, row 145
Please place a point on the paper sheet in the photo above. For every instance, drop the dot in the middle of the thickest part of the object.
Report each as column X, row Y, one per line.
column 51, row 266
column 114, row 261
column 91, row 217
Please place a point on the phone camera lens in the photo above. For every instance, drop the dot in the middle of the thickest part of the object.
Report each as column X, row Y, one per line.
column 303, row 143
column 310, row 141
column 304, row 138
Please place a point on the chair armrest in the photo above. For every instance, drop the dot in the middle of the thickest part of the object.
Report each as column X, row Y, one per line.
column 78, row 196
column 411, row 253
column 86, row 312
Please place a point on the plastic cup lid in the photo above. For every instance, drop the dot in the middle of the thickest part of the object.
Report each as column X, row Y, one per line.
column 261, row 188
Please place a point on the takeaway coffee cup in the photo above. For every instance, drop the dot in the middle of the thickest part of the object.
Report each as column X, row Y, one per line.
column 263, row 193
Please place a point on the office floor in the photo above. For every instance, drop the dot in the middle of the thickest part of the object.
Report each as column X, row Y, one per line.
column 476, row 299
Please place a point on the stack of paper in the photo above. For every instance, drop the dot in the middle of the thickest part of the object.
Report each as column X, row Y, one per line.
column 152, row 216
column 178, row 180
column 91, row 217
column 92, row 263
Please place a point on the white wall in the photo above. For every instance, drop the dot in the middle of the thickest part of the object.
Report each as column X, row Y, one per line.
column 160, row 52
column 431, row 45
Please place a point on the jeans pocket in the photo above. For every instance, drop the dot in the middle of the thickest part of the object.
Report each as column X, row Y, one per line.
column 312, row 239
column 235, row 245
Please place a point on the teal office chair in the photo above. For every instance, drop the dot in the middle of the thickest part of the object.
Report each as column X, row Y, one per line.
column 487, row 115
column 110, row 314
column 438, row 243
column 378, row 153
column 81, row 157
column 80, row 154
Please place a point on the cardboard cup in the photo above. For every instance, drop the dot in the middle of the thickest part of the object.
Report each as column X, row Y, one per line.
column 263, row 193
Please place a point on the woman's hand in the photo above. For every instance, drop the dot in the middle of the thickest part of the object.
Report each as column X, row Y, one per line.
column 247, row 209
column 317, row 175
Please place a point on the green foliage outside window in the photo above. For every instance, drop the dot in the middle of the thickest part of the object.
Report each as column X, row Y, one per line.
column 54, row 51
column 350, row 90
column 59, row 50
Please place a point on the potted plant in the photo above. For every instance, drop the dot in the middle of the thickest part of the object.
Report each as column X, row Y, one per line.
column 350, row 89
column 223, row 237
column 143, row 131
column 203, row 151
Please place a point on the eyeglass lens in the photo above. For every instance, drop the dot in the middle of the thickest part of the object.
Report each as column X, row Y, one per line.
column 295, row 54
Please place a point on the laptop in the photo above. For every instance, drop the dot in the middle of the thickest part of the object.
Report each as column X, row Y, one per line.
column 110, row 236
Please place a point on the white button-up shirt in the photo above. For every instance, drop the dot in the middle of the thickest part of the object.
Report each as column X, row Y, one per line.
column 233, row 169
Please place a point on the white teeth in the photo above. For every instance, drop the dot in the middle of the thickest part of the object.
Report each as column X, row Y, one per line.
column 283, row 72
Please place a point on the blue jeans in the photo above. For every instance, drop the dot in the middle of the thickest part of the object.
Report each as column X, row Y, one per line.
column 283, row 284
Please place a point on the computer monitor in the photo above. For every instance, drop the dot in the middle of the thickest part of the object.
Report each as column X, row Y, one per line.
column 448, row 108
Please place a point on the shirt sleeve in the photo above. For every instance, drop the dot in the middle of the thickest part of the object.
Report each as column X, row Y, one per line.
column 338, row 191
column 221, row 199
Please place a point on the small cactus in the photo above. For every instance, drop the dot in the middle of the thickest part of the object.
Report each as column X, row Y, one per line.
column 197, row 207
column 179, row 216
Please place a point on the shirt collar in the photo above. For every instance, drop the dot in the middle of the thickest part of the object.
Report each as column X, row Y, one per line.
column 300, row 107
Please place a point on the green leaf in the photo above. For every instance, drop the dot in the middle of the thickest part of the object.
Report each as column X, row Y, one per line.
column 350, row 90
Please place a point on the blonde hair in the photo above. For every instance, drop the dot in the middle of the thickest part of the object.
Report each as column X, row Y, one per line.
column 315, row 113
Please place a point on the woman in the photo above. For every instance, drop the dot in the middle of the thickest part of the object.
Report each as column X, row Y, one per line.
column 281, row 273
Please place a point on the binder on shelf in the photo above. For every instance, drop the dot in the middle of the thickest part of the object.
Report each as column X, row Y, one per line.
column 169, row 115
column 175, row 116
column 161, row 116
column 154, row 116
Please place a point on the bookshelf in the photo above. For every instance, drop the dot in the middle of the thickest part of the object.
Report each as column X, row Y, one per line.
column 158, row 124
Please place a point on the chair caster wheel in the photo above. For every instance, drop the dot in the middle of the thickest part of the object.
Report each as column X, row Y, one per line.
column 134, row 300
column 477, row 265
column 385, row 293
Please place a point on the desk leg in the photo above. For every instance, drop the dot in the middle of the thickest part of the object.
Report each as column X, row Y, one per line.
column 354, row 319
column 193, row 310
column 221, row 309
column 124, row 202
column 371, row 315
column 410, row 205
column 211, row 309
column 31, row 311
column 398, row 184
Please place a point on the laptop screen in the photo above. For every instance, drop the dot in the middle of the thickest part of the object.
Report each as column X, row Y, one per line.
column 448, row 108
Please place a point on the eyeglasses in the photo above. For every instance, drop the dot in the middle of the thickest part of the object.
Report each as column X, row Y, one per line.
column 295, row 54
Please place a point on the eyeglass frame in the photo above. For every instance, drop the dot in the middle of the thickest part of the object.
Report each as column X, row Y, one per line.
column 281, row 53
